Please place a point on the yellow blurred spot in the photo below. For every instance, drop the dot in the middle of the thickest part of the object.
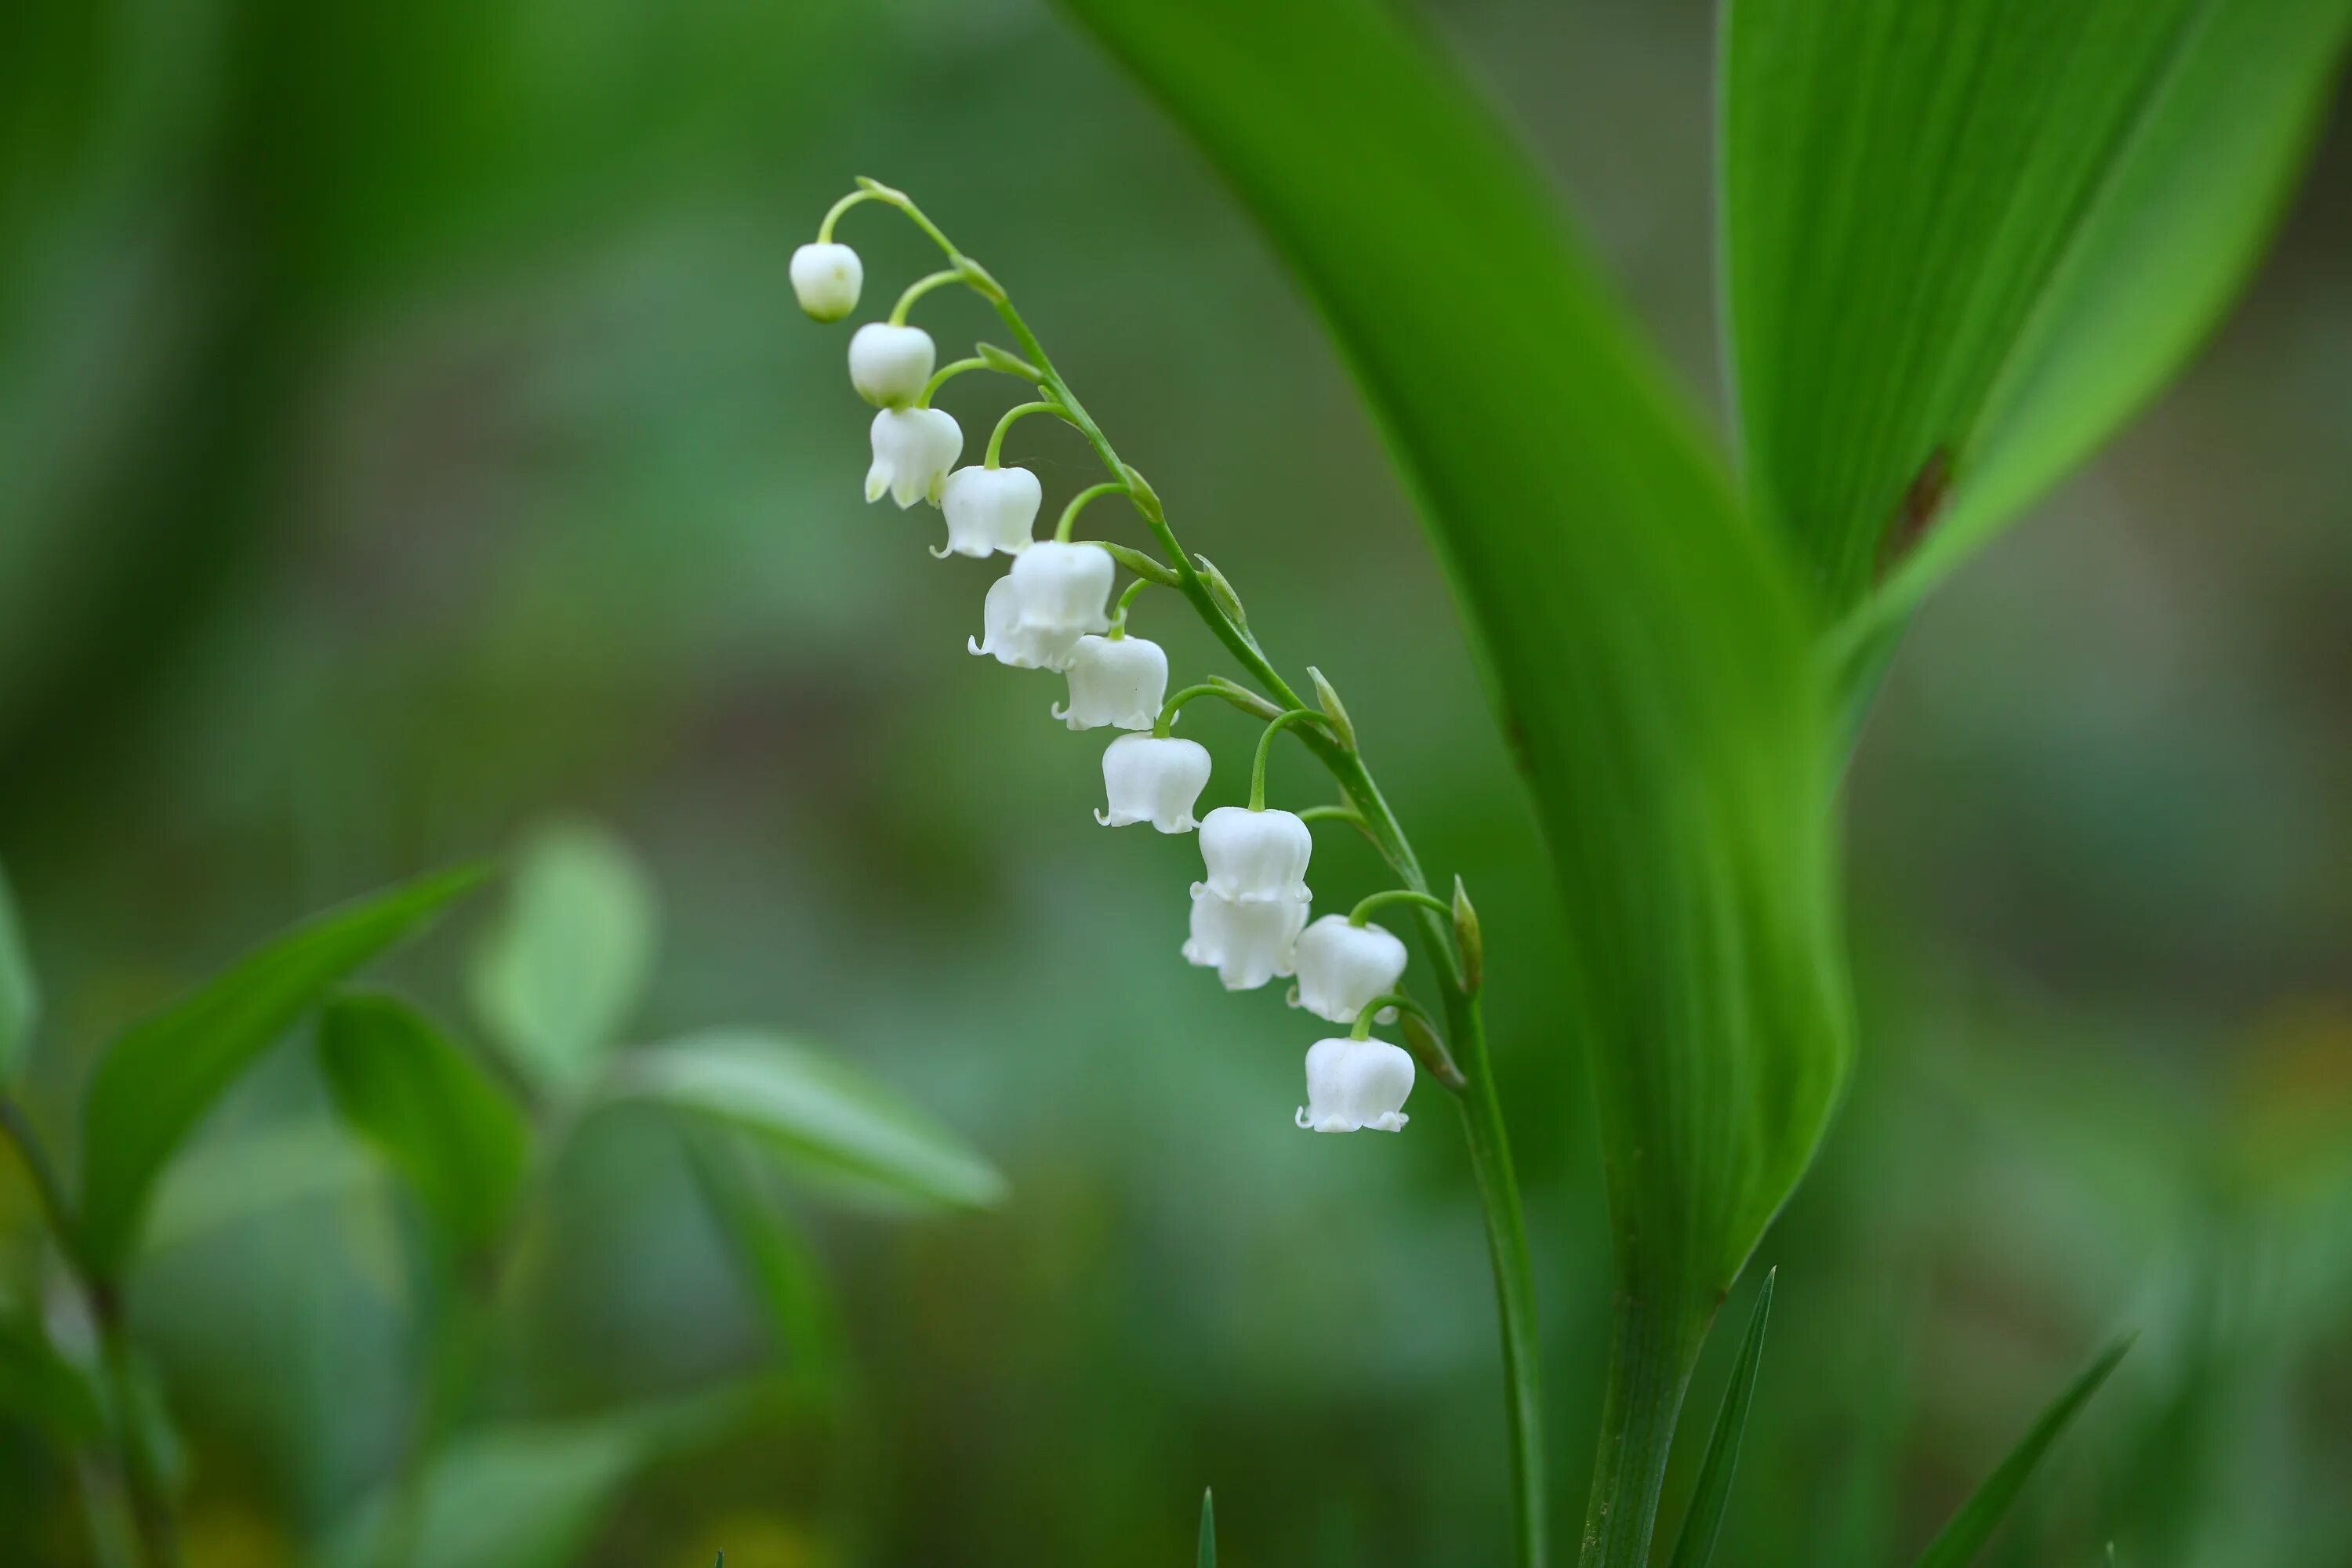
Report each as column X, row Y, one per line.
column 763, row 1540
column 229, row 1535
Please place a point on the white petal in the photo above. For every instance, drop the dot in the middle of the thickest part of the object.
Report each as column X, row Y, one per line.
column 889, row 365
column 826, row 279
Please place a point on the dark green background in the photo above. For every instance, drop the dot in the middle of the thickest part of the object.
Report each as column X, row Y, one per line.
column 408, row 434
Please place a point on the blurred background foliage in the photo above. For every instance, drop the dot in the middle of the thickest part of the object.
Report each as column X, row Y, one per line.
column 410, row 432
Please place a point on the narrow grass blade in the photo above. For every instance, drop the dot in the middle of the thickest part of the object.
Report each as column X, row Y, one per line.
column 1982, row 1513
column 1208, row 1557
column 1705, row 1519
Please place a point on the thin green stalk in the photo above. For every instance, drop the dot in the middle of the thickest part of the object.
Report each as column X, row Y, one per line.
column 1490, row 1154
column 1275, row 726
column 149, row 1504
column 1366, row 908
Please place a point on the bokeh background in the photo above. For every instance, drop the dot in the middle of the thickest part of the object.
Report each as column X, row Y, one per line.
column 408, row 434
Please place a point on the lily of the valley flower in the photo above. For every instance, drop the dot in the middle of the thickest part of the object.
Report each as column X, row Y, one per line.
column 826, row 279
column 1247, row 944
column 989, row 510
column 1257, row 856
column 913, row 450
column 1342, row 967
column 889, row 365
column 1356, row 1086
column 1062, row 587
column 1115, row 681
column 1154, row 779
column 1005, row 638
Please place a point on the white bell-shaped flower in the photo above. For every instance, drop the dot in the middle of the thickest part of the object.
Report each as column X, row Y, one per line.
column 1115, row 681
column 1005, row 639
column 913, row 450
column 1063, row 587
column 989, row 510
column 1356, row 1086
column 1257, row 856
column 889, row 365
column 1153, row 779
column 1342, row 967
column 1247, row 944
column 826, row 279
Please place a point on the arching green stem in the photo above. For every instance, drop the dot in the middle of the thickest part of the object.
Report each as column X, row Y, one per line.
column 1013, row 416
column 1230, row 693
column 1362, row 1027
column 1079, row 502
column 1332, row 814
column 1363, row 911
column 1265, row 749
column 832, row 215
column 947, row 372
column 1119, row 611
column 920, row 287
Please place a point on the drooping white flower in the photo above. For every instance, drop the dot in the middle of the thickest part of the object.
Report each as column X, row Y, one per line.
column 989, row 510
column 889, row 365
column 1247, row 944
column 1257, row 856
column 913, row 450
column 826, row 279
column 1115, row 681
column 1063, row 587
column 1356, row 1086
column 1153, row 779
column 1342, row 967
column 1005, row 639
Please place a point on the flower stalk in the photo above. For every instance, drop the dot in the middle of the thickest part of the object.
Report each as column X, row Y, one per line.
column 1329, row 739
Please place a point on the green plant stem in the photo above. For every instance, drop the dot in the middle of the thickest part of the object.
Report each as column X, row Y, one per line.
column 1080, row 501
column 1275, row 726
column 1119, row 611
column 1367, row 906
column 1490, row 1148
column 149, row 1504
column 1649, row 1370
column 918, row 289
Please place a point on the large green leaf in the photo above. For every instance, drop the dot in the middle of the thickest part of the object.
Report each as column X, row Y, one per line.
column 428, row 1109
column 563, row 968
column 1645, row 649
column 158, row 1078
column 1970, row 1528
column 20, row 996
column 1966, row 238
column 815, row 1111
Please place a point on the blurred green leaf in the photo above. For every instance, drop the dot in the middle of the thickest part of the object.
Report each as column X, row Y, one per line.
column 815, row 1111
column 20, row 995
column 407, row 1088
column 529, row 1496
column 1981, row 1514
column 1964, row 239
column 1207, row 1555
column 158, row 1079
column 220, row 1181
column 777, row 1263
column 561, row 970
column 41, row 1387
column 1646, row 651
column 1705, row 1520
